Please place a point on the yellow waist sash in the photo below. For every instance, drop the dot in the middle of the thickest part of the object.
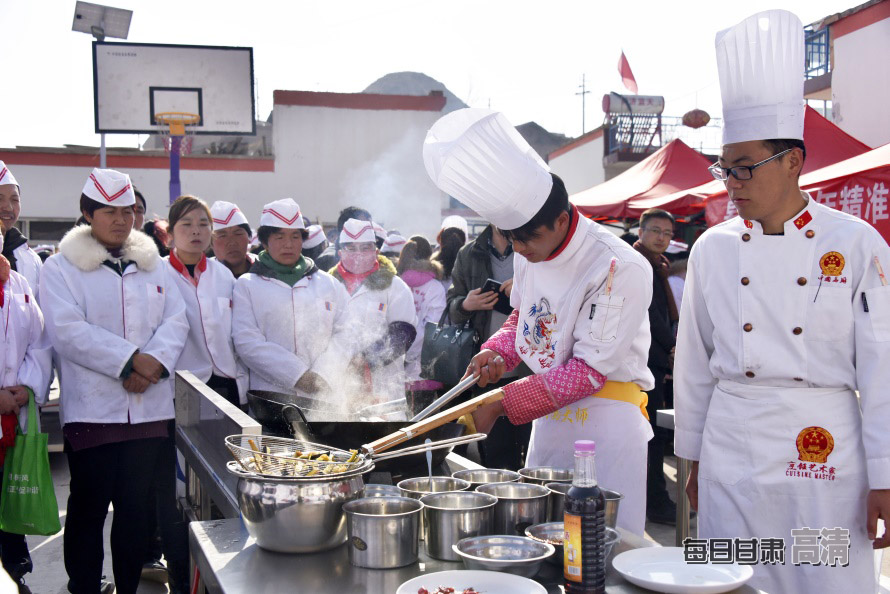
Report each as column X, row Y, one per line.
column 625, row 392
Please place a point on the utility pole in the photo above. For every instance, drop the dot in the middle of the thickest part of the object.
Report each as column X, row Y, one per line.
column 583, row 92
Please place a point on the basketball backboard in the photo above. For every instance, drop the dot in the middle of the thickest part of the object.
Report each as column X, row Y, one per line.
column 134, row 81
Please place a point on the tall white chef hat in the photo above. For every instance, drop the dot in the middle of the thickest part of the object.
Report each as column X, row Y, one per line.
column 356, row 231
column 315, row 238
column 284, row 214
column 478, row 157
column 761, row 66
column 110, row 187
column 226, row 214
column 394, row 244
column 456, row 222
column 6, row 176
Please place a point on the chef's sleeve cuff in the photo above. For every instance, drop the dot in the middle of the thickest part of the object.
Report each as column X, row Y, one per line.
column 687, row 444
column 879, row 473
column 128, row 367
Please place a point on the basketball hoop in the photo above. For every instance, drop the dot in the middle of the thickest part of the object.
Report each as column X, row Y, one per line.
column 177, row 124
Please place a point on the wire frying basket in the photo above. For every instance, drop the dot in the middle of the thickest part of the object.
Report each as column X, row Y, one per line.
column 280, row 457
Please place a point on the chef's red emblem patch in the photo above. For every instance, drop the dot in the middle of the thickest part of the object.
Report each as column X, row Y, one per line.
column 749, row 224
column 801, row 221
column 814, row 444
column 832, row 264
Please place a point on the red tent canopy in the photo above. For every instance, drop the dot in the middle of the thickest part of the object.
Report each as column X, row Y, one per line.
column 670, row 168
column 826, row 144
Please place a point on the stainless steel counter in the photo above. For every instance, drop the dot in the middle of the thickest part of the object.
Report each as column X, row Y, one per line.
column 231, row 563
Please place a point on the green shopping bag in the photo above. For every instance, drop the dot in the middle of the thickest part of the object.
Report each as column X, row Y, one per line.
column 28, row 501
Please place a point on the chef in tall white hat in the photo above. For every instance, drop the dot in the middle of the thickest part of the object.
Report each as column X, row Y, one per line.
column 117, row 324
column 784, row 316
column 580, row 297
column 288, row 319
column 21, row 257
column 231, row 237
column 381, row 314
column 315, row 243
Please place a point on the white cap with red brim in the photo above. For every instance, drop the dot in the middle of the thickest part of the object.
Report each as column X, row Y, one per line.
column 284, row 214
column 226, row 214
column 356, row 231
column 110, row 187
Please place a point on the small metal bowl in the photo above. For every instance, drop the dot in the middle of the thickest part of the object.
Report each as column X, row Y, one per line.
column 510, row 554
column 484, row 476
column 541, row 475
column 551, row 532
column 556, row 503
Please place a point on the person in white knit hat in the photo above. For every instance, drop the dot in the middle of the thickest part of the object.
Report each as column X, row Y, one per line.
column 784, row 317
column 381, row 313
column 580, row 299
column 231, row 237
column 117, row 324
column 288, row 319
column 21, row 257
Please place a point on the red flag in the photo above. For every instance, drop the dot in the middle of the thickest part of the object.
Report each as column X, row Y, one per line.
column 627, row 76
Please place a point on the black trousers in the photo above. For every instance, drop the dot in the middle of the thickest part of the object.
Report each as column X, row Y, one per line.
column 15, row 555
column 656, row 485
column 121, row 474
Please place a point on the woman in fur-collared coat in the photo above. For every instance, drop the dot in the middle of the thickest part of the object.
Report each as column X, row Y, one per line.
column 117, row 324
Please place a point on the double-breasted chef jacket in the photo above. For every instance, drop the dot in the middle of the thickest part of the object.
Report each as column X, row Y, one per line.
column 28, row 264
column 776, row 334
column 281, row 332
column 566, row 312
column 208, row 306
column 25, row 352
column 97, row 319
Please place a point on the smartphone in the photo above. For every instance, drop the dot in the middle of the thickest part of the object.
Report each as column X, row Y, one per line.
column 503, row 302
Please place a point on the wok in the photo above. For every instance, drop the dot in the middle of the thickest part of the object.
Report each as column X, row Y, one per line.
column 282, row 414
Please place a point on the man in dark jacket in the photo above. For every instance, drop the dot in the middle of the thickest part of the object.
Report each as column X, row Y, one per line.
column 489, row 256
column 656, row 231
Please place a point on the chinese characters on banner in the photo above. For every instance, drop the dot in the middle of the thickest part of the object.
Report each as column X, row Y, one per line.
column 862, row 195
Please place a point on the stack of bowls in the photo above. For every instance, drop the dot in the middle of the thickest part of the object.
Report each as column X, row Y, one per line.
column 450, row 517
column 519, row 506
column 510, row 554
column 383, row 531
column 554, row 532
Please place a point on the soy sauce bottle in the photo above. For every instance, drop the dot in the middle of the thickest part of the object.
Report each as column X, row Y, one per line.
column 585, row 527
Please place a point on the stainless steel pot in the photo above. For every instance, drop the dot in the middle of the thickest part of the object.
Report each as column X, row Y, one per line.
column 295, row 516
column 415, row 488
column 484, row 476
column 519, row 506
column 450, row 517
column 375, row 490
column 557, row 500
column 541, row 475
column 383, row 531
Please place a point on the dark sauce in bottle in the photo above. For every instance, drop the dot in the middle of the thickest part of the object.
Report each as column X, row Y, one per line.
column 585, row 527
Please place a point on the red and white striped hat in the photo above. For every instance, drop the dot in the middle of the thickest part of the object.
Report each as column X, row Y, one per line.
column 226, row 214
column 109, row 187
column 315, row 238
column 379, row 231
column 394, row 243
column 6, row 176
column 284, row 214
column 356, row 231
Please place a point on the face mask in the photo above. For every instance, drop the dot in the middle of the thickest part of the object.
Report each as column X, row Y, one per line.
column 359, row 262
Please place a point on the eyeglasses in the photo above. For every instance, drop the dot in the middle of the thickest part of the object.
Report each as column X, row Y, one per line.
column 740, row 172
column 666, row 233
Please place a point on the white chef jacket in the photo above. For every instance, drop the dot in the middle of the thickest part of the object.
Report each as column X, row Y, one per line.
column 25, row 352
column 775, row 334
column 96, row 320
column 281, row 332
column 370, row 312
column 429, row 303
column 564, row 313
column 28, row 264
column 777, row 285
column 208, row 306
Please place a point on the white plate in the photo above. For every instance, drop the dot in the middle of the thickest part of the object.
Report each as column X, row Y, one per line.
column 663, row 569
column 487, row 582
